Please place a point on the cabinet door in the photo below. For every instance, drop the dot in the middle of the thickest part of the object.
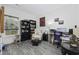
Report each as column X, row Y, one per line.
column 1, row 19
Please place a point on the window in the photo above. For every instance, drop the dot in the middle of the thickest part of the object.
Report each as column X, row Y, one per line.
column 11, row 25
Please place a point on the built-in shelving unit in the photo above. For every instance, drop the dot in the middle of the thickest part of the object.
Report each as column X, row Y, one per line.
column 27, row 28
column 32, row 26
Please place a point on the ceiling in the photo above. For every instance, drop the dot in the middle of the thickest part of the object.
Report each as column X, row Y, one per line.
column 37, row 9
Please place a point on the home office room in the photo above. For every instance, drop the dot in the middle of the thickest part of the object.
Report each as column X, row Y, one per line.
column 39, row 29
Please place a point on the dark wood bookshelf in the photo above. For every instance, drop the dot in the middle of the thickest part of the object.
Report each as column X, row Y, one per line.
column 26, row 29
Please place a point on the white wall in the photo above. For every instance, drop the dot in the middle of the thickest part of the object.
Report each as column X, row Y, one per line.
column 16, row 11
column 68, row 13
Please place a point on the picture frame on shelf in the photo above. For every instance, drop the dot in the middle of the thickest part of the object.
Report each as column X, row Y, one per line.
column 56, row 19
column 61, row 22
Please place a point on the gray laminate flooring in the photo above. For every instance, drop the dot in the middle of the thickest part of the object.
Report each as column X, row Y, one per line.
column 26, row 48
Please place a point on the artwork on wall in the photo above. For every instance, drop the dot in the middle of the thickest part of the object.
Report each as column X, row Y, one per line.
column 42, row 21
column 11, row 25
column 61, row 21
column 56, row 20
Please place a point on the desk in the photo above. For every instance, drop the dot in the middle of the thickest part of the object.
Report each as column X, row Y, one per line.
column 51, row 37
column 66, row 49
column 65, row 39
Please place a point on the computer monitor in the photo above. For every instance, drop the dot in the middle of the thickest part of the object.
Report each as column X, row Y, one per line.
column 70, row 31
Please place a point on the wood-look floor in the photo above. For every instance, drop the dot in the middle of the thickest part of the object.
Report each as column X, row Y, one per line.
column 26, row 48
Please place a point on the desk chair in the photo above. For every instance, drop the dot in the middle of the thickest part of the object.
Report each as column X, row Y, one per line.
column 57, row 39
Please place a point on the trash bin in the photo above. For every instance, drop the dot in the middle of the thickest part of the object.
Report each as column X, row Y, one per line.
column 45, row 36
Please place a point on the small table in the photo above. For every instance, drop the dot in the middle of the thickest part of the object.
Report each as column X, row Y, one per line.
column 66, row 49
column 35, row 42
column 36, row 39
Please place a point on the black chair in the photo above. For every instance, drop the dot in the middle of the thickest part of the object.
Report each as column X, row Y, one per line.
column 57, row 39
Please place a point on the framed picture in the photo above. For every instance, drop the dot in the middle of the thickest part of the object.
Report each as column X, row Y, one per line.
column 42, row 21
column 11, row 25
column 56, row 20
column 61, row 21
